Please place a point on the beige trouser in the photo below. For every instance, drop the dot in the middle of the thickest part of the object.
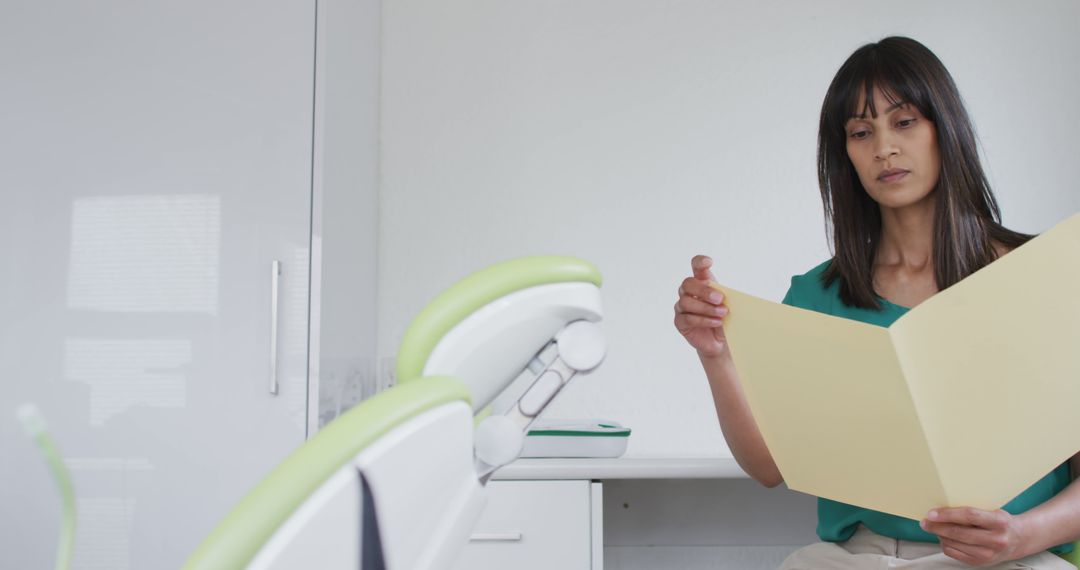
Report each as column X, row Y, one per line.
column 866, row 550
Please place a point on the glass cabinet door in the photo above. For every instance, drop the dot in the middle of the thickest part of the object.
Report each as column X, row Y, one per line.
column 156, row 163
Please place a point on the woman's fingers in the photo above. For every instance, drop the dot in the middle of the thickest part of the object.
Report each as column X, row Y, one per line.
column 699, row 311
column 701, row 264
column 701, row 290
column 975, row 536
column 968, row 516
column 959, row 533
column 685, row 321
column 694, row 306
column 967, row 553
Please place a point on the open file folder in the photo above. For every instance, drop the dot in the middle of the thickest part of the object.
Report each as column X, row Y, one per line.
column 966, row 400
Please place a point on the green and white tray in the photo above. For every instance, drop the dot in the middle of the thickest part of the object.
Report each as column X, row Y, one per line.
column 575, row 438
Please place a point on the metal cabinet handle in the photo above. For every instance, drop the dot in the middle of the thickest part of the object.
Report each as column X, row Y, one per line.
column 274, row 277
column 496, row 537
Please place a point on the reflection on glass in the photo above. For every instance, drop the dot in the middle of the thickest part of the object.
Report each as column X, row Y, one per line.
column 124, row 464
column 104, row 536
column 126, row 373
column 145, row 253
column 345, row 382
column 294, row 333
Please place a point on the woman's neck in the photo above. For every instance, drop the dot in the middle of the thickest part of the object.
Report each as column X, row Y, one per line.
column 904, row 266
column 907, row 237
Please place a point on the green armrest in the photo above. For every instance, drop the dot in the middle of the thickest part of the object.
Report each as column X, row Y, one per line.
column 236, row 540
column 477, row 290
column 1074, row 556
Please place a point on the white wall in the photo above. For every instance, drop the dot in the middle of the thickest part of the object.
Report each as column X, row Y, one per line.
column 636, row 134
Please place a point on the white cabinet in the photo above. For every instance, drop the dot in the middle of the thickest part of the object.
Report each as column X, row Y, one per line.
column 537, row 525
column 156, row 159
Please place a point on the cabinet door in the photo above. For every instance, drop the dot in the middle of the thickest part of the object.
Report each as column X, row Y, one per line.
column 156, row 159
column 532, row 525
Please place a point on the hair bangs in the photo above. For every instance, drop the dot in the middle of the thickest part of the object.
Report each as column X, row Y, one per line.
column 857, row 83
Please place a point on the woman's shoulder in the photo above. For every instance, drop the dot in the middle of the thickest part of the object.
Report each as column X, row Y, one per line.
column 816, row 273
column 808, row 290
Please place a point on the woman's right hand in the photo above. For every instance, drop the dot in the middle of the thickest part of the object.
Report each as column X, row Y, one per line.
column 700, row 310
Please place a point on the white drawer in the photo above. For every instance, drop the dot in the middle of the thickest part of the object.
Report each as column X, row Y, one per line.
column 527, row 525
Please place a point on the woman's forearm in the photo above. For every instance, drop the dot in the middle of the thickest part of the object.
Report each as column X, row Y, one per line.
column 738, row 425
column 1054, row 522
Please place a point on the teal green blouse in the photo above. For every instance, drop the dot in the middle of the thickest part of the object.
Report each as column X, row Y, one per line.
column 838, row 521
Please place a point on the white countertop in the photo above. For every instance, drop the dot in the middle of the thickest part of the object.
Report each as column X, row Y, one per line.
column 622, row 468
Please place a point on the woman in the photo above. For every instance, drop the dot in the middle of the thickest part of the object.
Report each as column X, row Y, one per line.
column 910, row 213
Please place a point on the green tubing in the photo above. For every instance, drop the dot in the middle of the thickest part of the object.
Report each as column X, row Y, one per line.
column 477, row 290
column 35, row 425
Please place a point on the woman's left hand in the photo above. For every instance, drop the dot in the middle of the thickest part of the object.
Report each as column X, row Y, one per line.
column 977, row 537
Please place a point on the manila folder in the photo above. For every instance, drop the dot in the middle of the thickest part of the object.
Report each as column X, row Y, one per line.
column 966, row 400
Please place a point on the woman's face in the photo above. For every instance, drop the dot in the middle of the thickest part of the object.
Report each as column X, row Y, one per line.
column 895, row 154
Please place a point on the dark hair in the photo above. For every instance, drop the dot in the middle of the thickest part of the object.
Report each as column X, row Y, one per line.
column 967, row 220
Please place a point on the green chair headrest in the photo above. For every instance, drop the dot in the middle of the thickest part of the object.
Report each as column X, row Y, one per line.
column 477, row 290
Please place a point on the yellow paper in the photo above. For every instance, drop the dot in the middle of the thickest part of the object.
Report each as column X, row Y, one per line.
column 966, row 400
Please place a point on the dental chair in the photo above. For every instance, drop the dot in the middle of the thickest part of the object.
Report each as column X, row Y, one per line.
column 398, row 481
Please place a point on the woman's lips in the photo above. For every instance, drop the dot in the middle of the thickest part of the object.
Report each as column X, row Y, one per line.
column 892, row 175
